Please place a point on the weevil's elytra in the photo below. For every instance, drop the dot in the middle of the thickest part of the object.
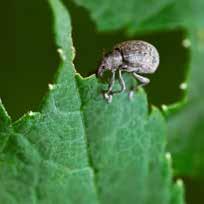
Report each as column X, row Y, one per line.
column 136, row 57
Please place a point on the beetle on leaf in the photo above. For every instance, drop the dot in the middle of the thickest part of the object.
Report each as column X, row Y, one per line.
column 136, row 57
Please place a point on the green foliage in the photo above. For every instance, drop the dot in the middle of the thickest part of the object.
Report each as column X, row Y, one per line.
column 186, row 144
column 114, row 15
column 183, row 13
column 143, row 16
column 127, row 148
column 79, row 149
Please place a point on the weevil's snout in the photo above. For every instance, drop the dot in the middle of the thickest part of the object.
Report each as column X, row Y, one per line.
column 101, row 70
column 106, row 64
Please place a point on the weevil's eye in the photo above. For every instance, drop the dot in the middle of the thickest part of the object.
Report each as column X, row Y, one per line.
column 102, row 68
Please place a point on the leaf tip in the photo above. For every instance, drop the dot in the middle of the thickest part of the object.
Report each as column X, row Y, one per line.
column 168, row 157
column 61, row 54
column 154, row 111
column 164, row 107
column 31, row 113
column 186, row 43
column 179, row 183
column 183, row 86
column 51, row 86
column 174, row 108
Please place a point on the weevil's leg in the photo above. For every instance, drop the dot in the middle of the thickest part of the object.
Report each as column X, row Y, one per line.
column 111, row 84
column 144, row 81
column 122, row 83
column 108, row 93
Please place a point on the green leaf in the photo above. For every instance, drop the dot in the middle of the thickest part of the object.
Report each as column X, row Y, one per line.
column 45, row 159
column 117, row 14
column 79, row 149
column 142, row 16
column 178, row 14
column 127, row 147
column 186, row 143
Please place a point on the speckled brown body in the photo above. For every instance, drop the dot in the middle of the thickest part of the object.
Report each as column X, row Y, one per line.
column 139, row 54
column 136, row 57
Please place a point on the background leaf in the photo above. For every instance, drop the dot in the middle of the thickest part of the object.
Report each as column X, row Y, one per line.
column 189, row 151
column 114, row 15
column 142, row 16
column 184, row 13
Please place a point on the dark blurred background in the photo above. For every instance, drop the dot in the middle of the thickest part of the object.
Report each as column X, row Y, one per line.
column 28, row 59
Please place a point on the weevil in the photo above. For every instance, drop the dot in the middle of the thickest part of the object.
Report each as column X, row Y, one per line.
column 136, row 57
